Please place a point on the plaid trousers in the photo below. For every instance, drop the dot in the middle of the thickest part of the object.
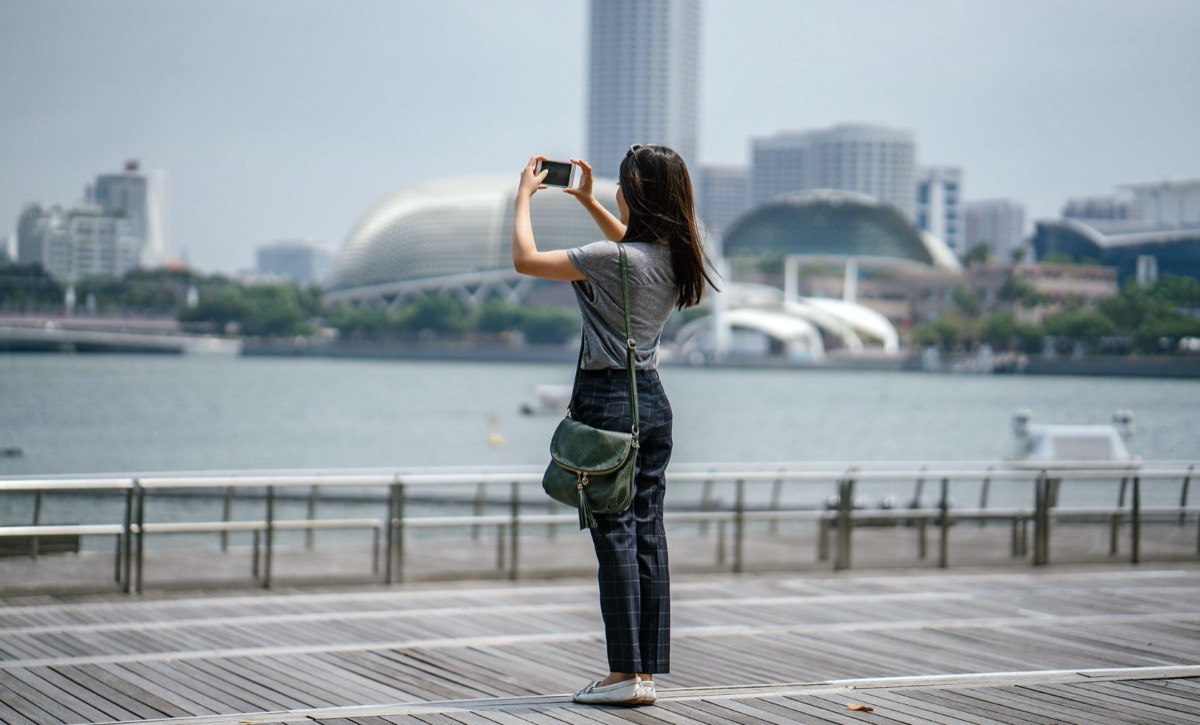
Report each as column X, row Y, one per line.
column 631, row 547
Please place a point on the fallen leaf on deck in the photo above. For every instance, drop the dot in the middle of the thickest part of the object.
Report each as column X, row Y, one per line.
column 860, row 708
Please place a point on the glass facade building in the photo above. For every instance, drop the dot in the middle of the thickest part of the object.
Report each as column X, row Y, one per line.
column 643, row 78
column 873, row 160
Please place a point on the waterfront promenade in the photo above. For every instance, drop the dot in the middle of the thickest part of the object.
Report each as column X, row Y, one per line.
column 1062, row 644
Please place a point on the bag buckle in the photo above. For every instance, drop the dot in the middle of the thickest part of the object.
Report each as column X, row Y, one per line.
column 582, row 480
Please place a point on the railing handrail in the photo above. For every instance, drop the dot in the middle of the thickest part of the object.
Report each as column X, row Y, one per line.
column 692, row 473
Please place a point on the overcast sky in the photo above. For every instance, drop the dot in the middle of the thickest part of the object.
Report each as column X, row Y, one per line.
column 285, row 119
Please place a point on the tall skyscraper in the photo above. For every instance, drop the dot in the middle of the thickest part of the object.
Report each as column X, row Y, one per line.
column 143, row 197
column 938, row 204
column 872, row 160
column 122, row 226
column 642, row 79
column 997, row 223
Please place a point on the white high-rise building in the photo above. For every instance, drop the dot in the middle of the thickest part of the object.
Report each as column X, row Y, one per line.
column 1167, row 204
column 643, row 78
column 73, row 244
column 144, row 199
column 872, row 160
column 938, row 204
column 997, row 223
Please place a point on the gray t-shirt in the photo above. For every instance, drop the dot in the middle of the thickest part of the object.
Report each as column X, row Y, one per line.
column 652, row 295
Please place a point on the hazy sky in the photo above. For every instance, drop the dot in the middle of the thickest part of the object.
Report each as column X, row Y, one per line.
column 284, row 119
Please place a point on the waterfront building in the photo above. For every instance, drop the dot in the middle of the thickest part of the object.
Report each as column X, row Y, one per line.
column 643, row 78
column 454, row 235
column 938, row 205
column 722, row 195
column 143, row 197
column 1097, row 207
column 873, row 160
column 1160, row 234
column 303, row 262
column 998, row 224
column 72, row 244
column 121, row 227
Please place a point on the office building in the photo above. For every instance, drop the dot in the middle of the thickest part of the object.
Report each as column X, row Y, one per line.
column 643, row 78
column 121, row 227
column 873, row 160
column 299, row 261
column 73, row 244
column 999, row 224
column 143, row 198
column 1157, row 231
column 722, row 195
column 939, row 204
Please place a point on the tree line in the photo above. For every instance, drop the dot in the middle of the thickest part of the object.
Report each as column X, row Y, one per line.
column 218, row 304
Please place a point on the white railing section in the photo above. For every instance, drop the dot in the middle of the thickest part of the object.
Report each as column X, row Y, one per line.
column 835, row 517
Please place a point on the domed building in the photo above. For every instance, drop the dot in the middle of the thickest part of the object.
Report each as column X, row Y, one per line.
column 832, row 223
column 453, row 235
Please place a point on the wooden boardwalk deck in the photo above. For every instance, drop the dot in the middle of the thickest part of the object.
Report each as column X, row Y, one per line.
column 1063, row 644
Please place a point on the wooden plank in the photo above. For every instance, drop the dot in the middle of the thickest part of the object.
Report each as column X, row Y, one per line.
column 924, row 711
column 139, row 703
column 1102, row 694
column 163, row 686
column 38, row 695
column 10, row 716
column 790, row 710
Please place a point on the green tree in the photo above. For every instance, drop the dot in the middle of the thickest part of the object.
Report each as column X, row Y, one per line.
column 966, row 300
column 977, row 254
column 549, row 325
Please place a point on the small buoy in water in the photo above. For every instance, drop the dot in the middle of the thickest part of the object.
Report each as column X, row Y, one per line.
column 495, row 440
column 11, row 452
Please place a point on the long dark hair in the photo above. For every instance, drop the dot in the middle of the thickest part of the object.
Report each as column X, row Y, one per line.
column 658, row 192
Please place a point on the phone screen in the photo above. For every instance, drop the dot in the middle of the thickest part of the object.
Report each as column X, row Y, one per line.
column 560, row 173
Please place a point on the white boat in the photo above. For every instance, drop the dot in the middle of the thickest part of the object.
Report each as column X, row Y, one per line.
column 1104, row 445
column 548, row 400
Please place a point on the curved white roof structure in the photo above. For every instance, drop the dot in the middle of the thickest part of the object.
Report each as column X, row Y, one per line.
column 798, row 338
column 455, row 227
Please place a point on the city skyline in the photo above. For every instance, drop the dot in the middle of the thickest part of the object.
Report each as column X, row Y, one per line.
column 289, row 120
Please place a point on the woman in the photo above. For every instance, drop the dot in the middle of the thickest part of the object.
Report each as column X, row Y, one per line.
column 666, row 270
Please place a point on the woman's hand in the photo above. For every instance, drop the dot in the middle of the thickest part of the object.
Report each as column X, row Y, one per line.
column 531, row 180
column 584, row 191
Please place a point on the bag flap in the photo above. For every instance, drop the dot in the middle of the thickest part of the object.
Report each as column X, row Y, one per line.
column 579, row 447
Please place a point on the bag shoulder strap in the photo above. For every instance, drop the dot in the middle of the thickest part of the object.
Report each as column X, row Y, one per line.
column 630, row 346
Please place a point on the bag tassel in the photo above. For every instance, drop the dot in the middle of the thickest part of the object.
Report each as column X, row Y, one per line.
column 586, row 519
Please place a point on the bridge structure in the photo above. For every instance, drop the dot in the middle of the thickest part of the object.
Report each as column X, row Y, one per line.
column 43, row 333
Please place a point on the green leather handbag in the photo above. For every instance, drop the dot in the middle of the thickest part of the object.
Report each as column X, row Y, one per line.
column 593, row 469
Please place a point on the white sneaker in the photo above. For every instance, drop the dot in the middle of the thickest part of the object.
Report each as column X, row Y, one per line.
column 626, row 692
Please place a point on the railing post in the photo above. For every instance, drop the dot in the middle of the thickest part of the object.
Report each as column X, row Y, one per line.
column 983, row 494
column 270, row 536
column 1041, row 516
column 125, row 554
column 1136, row 525
column 309, row 533
column 389, row 534
column 35, row 542
column 480, row 499
column 706, row 504
column 514, row 530
column 845, row 506
column 1114, row 533
column 141, row 533
column 398, row 523
column 776, row 500
column 1183, row 495
column 226, row 515
column 944, row 520
column 739, row 525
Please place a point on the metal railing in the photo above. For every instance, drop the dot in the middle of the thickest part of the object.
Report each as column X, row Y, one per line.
column 760, row 503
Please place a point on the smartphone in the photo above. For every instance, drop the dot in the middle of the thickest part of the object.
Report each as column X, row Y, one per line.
column 562, row 173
